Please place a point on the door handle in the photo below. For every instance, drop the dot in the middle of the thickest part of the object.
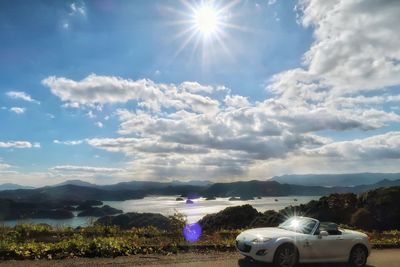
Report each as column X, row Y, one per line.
column 340, row 238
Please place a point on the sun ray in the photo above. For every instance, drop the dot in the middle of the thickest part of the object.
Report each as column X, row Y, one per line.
column 188, row 5
column 223, row 45
column 183, row 33
column 234, row 26
column 185, row 43
column 179, row 22
column 227, row 7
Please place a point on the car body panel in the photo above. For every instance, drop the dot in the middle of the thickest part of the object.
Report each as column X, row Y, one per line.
column 311, row 247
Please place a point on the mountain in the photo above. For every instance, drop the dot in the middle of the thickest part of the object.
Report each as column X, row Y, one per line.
column 10, row 186
column 136, row 185
column 383, row 183
column 192, row 182
column 69, row 192
column 256, row 188
column 351, row 179
column 76, row 182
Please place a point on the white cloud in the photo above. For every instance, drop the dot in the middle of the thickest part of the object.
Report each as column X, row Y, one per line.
column 354, row 49
column 99, row 124
column 195, row 87
column 4, row 166
column 78, row 9
column 19, row 144
column 378, row 147
column 70, row 143
column 85, row 169
column 97, row 90
column 17, row 110
column 236, row 101
column 21, row 96
column 50, row 116
column 90, row 114
column 271, row 2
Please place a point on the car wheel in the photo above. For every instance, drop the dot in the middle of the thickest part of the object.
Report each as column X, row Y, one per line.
column 248, row 259
column 286, row 256
column 358, row 256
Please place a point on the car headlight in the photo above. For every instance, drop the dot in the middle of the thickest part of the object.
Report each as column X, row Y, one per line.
column 260, row 240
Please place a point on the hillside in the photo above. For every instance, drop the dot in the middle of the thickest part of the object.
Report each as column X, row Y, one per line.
column 69, row 193
column 10, row 186
column 349, row 179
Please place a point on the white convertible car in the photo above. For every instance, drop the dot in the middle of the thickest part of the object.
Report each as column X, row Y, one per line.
column 302, row 239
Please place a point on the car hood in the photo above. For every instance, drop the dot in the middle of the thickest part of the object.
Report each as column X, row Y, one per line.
column 268, row 232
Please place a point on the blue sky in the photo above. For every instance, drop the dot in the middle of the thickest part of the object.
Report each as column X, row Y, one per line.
column 108, row 91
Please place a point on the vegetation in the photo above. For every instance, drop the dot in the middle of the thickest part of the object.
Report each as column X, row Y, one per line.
column 28, row 241
column 134, row 219
column 45, row 242
column 99, row 211
column 230, row 218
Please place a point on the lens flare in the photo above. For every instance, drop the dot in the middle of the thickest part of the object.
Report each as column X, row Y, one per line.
column 192, row 232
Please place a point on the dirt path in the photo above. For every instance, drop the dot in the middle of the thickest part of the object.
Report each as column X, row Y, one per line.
column 379, row 258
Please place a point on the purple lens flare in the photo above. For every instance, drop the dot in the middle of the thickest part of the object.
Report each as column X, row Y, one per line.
column 192, row 232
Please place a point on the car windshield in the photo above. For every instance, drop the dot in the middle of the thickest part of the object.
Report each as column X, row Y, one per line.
column 299, row 224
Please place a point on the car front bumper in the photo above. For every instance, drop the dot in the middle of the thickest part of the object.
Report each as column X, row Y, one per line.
column 258, row 251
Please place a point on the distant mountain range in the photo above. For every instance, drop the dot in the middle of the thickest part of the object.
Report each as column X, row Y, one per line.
column 136, row 185
column 135, row 190
column 352, row 179
column 324, row 180
column 10, row 186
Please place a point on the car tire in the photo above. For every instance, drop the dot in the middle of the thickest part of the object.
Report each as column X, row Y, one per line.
column 286, row 255
column 358, row 256
column 248, row 259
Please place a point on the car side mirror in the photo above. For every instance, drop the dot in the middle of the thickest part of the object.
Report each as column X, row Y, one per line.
column 323, row 233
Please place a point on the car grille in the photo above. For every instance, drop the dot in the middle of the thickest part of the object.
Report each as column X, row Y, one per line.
column 243, row 246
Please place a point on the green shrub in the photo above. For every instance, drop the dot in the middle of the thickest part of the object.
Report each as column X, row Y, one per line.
column 364, row 219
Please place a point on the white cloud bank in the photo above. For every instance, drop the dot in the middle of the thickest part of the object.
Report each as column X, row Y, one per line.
column 191, row 130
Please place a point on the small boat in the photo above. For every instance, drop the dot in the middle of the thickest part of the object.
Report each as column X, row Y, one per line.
column 189, row 201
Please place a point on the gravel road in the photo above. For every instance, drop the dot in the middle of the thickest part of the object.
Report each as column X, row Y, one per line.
column 379, row 258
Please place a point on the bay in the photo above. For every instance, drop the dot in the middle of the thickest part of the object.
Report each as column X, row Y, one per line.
column 167, row 205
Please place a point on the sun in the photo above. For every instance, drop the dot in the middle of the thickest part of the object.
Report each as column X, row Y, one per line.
column 206, row 20
column 206, row 26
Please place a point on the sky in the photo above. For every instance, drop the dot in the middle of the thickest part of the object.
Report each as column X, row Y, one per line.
column 108, row 91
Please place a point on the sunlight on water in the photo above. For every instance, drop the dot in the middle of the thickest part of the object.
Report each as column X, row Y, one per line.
column 167, row 205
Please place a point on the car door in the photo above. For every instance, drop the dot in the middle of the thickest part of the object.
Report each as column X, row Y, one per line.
column 326, row 248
